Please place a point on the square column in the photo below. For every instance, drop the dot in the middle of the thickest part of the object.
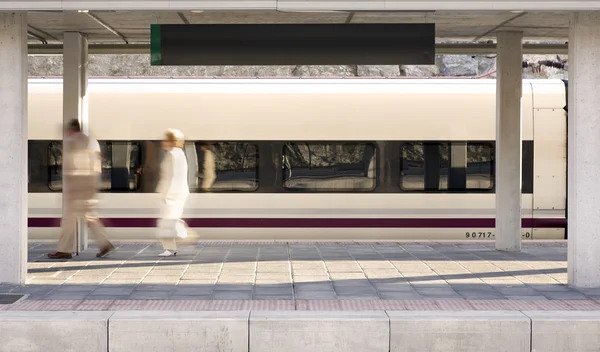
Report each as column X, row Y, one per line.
column 75, row 102
column 583, row 189
column 13, row 147
column 509, row 91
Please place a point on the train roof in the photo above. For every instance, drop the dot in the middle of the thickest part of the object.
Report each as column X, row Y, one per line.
column 299, row 80
column 294, row 85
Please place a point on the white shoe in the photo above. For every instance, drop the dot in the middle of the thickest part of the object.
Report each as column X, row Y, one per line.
column 167, row 253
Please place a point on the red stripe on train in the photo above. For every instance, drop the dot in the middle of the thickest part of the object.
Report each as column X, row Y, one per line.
column 318, row 222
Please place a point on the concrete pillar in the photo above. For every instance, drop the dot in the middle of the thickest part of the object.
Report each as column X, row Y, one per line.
column 13, row 148
column 584, row 151
column 75, row 102
column 509, row 88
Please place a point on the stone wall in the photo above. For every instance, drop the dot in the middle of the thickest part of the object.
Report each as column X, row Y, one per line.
column 139, row 65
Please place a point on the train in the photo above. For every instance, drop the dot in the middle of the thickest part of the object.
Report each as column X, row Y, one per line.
column 307, row 159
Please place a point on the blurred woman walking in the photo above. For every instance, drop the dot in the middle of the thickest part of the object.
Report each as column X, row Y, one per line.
column 173, row 189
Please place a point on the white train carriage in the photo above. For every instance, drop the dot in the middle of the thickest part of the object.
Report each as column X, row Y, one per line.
column 309, row 158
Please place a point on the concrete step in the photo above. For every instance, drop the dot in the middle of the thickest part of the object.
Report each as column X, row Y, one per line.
column 290, row 331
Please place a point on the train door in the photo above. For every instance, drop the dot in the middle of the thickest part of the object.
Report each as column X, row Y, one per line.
column 550, row 172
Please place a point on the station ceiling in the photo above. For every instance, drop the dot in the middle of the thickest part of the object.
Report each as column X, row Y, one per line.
column 133, row 27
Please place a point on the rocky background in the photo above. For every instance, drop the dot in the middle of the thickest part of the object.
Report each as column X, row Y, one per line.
column 446, row 65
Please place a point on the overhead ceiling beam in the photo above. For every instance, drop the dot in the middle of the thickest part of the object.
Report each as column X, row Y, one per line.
column 440, row 49
column 500, row 26
column 183, row 18
column 33, row 35
column 484, row 49
column 105, row 25
column 350, row 17
column 42, row 36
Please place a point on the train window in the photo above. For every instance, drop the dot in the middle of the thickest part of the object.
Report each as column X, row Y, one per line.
column 424, row 166
column 444, row 166
column 527, row 174
column 55, row 166
column 121, row 163
column 37, row 170
column 235, row 166
column 480, row 166
column 322, row 167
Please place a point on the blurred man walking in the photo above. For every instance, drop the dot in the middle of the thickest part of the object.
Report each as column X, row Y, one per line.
column 82, row 170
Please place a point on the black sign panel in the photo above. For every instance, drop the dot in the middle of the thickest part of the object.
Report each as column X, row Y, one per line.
column 293, row 44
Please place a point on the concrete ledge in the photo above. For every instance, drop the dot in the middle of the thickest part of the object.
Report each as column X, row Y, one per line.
column 179, row 331
column 54, row 331
column 564, row 331
column 319, row 331
column 463, row 331
column 323, row 331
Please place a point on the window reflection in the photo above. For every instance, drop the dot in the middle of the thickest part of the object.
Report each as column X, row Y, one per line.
column 456, row 166
column 235, row 165
column 480, row 166
column 120, row 165
column 134, row 166
column 329, row 166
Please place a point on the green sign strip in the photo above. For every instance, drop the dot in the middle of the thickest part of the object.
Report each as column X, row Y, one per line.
column 155, row 45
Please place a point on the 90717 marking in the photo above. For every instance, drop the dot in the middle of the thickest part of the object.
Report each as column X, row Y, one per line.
column 484, row 234
column 479, row 235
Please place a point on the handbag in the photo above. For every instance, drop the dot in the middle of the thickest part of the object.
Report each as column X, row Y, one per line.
column 171, row 228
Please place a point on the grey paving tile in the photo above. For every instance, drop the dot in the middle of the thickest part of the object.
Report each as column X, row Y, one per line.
column 313, row 286
column 551, row 288
column 473, row 287
column 124, row 290
column 30, row 288
column 65, row 296
column 527, row 298
column 226, row 295
column 430, row 285
column 7, row 288
column 273, row 297
column 76, row 288
column 316, row 295
column 273, row 290
column 517, row 291
column 355, row 291
column 206, row 290
column 572, row 295
column 352, row 283
column 149, row 295
column 590, row 291
column 155, row 287
column 481, row 295
column 358, row 297
column 400, row 295
column 439, row 293
column 190, row 297
column 234, row 287
column 105, row 298
column 347, row 276
column 393, row 287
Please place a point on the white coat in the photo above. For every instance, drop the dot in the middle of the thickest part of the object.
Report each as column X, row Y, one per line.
column 173, row 185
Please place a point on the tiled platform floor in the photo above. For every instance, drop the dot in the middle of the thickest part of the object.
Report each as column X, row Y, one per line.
column 305, row 276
